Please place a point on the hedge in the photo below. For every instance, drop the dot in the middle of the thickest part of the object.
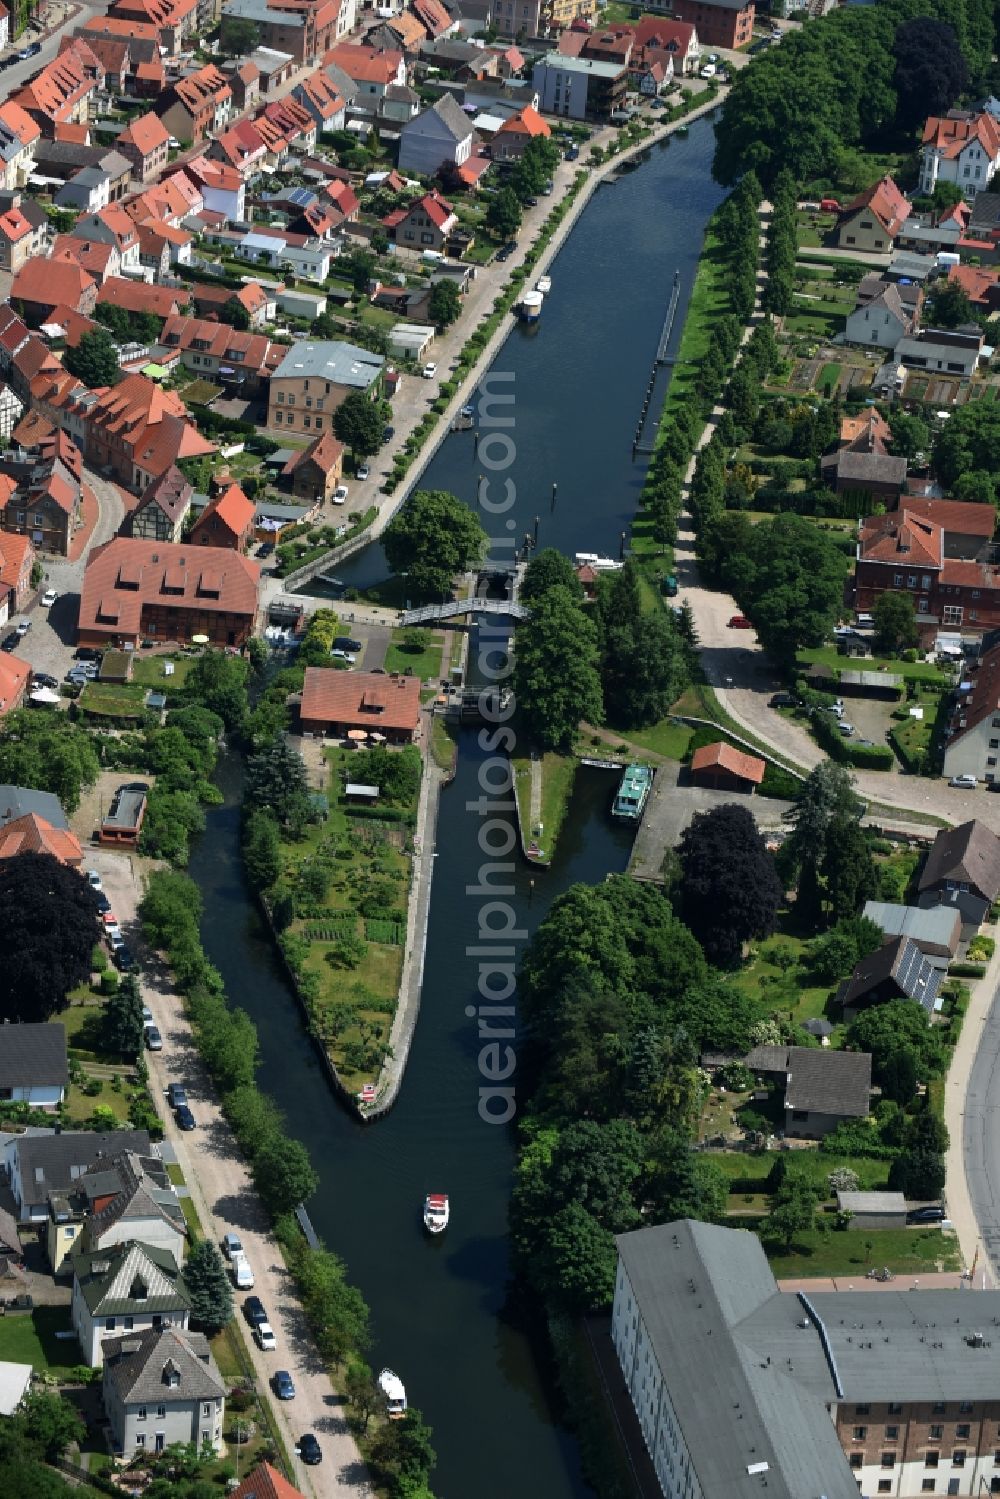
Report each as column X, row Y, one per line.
column 862, row 756
column 382, row 814
column 966, row 970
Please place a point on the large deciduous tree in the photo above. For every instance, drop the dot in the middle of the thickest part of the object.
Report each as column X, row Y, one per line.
column 358, row 422
column 434, row 537
column 643, row 660
column 968, row 443
column 849, row 868
column 219, row 682
column 276, row 782
column 895, row 623
column 556, row 679
column 283, row 1175
column 94, row 360
column 930, row 71
column 49, row 753
column 730, row 890
column 49, row 927
column 123, row 1022
column 789, row 584
column 504, row 214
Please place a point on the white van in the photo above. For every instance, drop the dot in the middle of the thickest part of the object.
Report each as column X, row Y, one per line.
column 242, row 1274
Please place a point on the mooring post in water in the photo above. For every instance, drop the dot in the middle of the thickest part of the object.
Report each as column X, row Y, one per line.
column 555, row 488
column 536, row 530
column 621, row 548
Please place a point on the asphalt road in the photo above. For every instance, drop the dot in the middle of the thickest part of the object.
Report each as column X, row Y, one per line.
column 981, row 1135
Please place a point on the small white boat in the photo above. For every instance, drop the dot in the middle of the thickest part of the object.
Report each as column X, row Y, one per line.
column 395, row 1395
column 544, row 285
column 436, row 1212
column 529, row 309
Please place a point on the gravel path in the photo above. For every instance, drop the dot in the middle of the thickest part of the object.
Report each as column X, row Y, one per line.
column 222, row 1192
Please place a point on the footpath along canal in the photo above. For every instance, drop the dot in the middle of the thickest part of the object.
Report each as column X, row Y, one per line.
column 441, row 1309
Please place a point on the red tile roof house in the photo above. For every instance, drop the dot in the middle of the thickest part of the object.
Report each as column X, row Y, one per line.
column 18, row 239
column 726, row 769
column 139, row 430
column 873, row 220
column 17, row 556
column 175, row 20
column 136, row 590
column 197, row 104
column 41, row 285
column 337, row 702
column 42, row 492
column 372, row 71
column 981, row 287
column 512, row 138
column 112, row 226
column 425, row 225
column 678, row 38
column 213, row 349
column 60, row 93
column 144, row 144
column 15, row 675
column 315, row 471
column 208, row 301
column 139, row 296
column 99, row 260
column 963, row 148
column 226, row 521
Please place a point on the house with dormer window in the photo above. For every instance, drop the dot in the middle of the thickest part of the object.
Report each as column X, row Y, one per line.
column 160, row 1387
column 131, row 1288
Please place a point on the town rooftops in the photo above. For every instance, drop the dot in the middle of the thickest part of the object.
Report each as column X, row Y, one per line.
column 950, row 135
column 828, row 1082
column 933, row 928
column 901, row 539
column 340, row 363
column 147, row 134
column 361, row 698
column 266, row 1482
column 885, row 201
column 126, row 1279
column 365, row 64
column 49, row 282
column 52, row 1162
column 231, row 508
column 527, row 121
column 32, row 834
column 19, row 801
column 967, row 855
column 582, row 65
column 162, row 1364
column 696, row 1286
column 33, row 1054
column 955, row 516
column 325, row 452
column 127, row 573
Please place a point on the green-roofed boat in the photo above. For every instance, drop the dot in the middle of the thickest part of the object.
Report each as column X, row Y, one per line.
column 632, row 792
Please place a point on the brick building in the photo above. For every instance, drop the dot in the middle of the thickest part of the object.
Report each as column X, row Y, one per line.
column 134, row 590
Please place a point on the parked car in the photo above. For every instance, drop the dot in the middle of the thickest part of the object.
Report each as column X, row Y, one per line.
column 154, row 1041
column 309, row 1450
column 548, row 189
column 176, row 1095
column 48, row 598
column 264, row 1338
column 10, row 642
column 135, row 786
column 253, row 1311
column 572, row 153
column 963, row 782
column 502, row 255
column 94, row 880
column 22, row 627
column 926, row 1215
column 344, row 656
column 363, row 472
column 147, row 1019
column 124, row 958
column 429, row 371
column 284, row 1385
column 241, row 1272
column 782, row 700
column 837, row 708
column 847, row 729
column 231, row 1244
column 267, row 547
column 113, row 931
column 346, row 643
column 103, row 904
column 708, row 71
column 43, row 679
column 740, row 622
column 388, row 433
column 340, row 494
column 186, row 1121
column 86, row 653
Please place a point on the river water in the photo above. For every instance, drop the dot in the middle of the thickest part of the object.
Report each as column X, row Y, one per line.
column 441, row 1309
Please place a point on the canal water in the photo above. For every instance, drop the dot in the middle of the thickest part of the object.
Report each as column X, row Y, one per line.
column 442, row 1310
column 580, row 374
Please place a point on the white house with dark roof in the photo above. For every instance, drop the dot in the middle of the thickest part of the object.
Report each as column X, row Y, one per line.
column 441, row 136
column 120, row 1198
column 161, row 1387
column 822, row 1088
column 33, row 1066
column 130, row 1288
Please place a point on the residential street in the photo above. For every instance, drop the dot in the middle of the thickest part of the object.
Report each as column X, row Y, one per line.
column 220, row 1187
column 972, row 1114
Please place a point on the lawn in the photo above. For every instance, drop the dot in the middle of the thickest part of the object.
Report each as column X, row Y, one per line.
column 425, row 664
column 80, row 1105
column 558, row 775
column 829, row 378
column 911, row 671
column 443, row 742
column 709, row 301
column 669, row 738
column 114, row 699
column 30, row 1338
column 822, row 324
column 778, row 983
column 907, row 1251
column 149, row 672
column 753, row 1168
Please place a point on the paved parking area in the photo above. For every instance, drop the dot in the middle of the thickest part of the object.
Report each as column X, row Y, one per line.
column 672, row 806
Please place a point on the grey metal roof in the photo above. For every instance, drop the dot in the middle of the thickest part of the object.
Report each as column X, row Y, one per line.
column 871, row 1202
column 696, row 1286
column 341, row 363
column 138, row 1366
column 933, row 926
column 18, row 801
column 581, row 65
column 130, row 1279
column 52, row 1162
column 33, row 1055
column 968, row 854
